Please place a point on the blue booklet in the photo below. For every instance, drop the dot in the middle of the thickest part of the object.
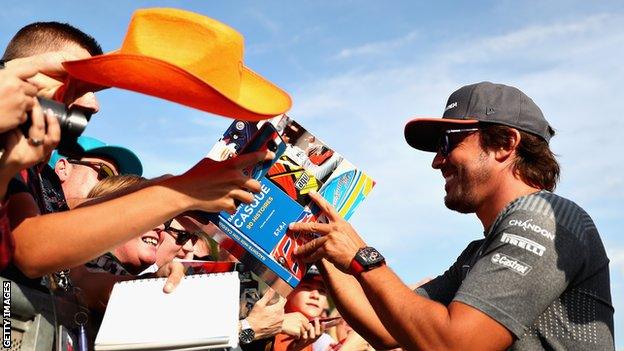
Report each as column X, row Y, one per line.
column 257, row 234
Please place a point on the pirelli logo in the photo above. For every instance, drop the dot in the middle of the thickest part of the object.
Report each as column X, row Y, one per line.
column 524, row 243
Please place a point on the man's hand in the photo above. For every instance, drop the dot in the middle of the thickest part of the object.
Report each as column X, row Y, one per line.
column 44, row 71
column 338, row 243
column 174, row 272
column 267, row 320
column 17, row 96
column 213, row 186
column 354, row 342
column 20, row 153
column 295, row 324
column 312, row 333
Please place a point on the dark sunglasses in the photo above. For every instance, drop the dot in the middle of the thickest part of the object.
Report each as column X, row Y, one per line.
column 448, row 142
column 181, row 236
column 104, row 170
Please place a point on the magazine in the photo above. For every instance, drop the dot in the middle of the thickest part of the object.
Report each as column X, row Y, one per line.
column 257, row 234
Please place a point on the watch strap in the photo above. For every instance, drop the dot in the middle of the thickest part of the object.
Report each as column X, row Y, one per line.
column 246, row 335
column 245, row 324
column 355, row 268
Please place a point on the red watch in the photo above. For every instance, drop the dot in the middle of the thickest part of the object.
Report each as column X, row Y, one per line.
column 365, row 259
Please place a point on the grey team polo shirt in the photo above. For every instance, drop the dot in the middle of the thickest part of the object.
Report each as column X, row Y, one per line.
column 541, row 271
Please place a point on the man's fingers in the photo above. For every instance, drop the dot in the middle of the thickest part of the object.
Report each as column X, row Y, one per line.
column 245, row 160
column 315, row 256
column 317, row 326
column 325, row 206
column 175, row 276
column 310, row 247
column 53, row 134
column 281, row 302
column 51, row 63
column 303, row 329
column 29, row 89
column 22, row 71
column 242, row 195
column 250, row 184
column 268, row 295
column 311, row 227
column 36, row 132
column 29, row 103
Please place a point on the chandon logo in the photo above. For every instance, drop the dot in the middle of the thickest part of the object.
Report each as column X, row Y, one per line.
column 531, row 226
column 524, row 243
column 511, row 263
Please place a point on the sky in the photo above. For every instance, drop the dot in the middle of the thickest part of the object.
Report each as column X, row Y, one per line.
column 358, row 70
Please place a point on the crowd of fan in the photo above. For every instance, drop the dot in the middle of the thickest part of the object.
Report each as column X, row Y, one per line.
column 51, row 235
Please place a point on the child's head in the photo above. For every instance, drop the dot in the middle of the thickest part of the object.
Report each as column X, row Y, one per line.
column 309, row 297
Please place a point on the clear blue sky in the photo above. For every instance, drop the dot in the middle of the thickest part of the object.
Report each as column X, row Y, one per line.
column 357, row 70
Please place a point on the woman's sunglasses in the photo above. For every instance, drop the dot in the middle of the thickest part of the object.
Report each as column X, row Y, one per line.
column 104, row 170
column 181, row 236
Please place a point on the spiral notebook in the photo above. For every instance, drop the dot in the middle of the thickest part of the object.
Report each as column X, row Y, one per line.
column 200, row 314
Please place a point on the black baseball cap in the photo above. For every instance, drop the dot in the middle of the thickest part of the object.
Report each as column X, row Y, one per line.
column 480, row 102
column 313, row 274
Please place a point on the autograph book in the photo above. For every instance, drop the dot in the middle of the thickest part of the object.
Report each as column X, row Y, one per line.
column 140, row 316
column 257, row 234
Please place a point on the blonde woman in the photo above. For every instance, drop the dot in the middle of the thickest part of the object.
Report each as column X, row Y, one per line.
column 97, row 277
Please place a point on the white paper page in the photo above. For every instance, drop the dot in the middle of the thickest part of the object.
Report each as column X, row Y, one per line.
column 203, row 309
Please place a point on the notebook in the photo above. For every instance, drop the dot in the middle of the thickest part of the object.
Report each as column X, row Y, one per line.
column 200, row 314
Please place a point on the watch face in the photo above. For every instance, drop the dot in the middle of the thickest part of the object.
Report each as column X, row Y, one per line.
column 368, row 257
column 246, row 336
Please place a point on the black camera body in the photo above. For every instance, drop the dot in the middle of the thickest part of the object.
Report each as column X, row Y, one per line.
column 72, row 121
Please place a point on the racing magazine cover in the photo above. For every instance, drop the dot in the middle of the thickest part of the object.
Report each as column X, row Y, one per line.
column 257, row 234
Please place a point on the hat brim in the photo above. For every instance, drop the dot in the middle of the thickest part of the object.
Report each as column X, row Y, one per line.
column 258, row 98
column 424, row 133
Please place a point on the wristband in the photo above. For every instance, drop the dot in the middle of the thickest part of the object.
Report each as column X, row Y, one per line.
column 355, row 267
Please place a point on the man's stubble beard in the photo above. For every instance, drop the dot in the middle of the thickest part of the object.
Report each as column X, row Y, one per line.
column 462, row 197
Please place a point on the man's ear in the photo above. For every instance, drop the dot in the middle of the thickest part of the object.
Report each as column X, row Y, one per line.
column 63, row 169
column 513, row 141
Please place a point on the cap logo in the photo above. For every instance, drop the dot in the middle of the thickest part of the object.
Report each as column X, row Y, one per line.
column 450, row 106
column 490, row 110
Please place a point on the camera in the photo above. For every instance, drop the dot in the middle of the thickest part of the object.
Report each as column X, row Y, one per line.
column 73, row 121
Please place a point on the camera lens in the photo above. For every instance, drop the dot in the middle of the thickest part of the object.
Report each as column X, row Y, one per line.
column 271, row 145
column 72, row 121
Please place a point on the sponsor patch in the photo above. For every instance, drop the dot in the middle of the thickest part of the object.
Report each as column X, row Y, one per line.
column 524, row 243
column 511, row 263
column 532, row 227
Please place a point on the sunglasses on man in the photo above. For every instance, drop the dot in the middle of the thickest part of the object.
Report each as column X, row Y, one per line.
column 181, row 236
column 104, row 170
column 451, row 138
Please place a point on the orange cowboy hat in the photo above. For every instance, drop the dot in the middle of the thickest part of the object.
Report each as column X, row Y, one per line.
column 187, row 58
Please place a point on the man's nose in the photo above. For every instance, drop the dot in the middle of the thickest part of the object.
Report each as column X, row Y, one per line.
column 88, row 101
column 438, row 160
column 189, row 246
